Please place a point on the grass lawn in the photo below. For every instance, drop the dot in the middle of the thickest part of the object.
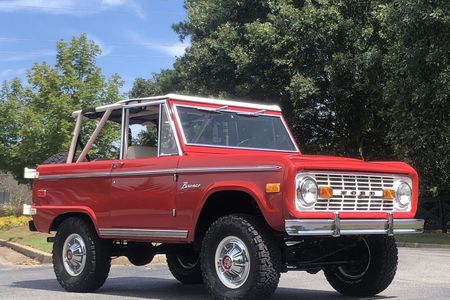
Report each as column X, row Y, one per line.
column 425, row 238
column 38, row 240
column 22, row 235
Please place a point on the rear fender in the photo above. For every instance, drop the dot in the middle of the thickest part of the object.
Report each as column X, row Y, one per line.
column 48, row 218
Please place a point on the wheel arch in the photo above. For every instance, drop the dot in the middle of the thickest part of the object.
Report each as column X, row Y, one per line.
column 84, row 215
column 224, row 200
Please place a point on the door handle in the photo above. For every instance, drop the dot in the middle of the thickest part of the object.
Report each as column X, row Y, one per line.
column 116, row 165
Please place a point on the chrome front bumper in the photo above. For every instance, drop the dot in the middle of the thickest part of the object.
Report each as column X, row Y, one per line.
column 337, row 227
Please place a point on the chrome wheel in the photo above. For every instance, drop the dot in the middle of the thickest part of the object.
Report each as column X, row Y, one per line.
column 232, row 262
column 74, row 254
column 359, row 269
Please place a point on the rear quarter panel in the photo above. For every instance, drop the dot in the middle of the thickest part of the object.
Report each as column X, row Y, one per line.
column 89, row 195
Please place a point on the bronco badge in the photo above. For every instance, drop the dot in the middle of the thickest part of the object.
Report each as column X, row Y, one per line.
column 187, row 185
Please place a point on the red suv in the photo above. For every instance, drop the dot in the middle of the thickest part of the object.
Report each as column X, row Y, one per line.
column 222, row 189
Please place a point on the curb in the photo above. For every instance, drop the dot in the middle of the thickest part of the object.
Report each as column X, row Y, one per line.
column 46, row 258
column 421, row 245
column 40, row 256
column 159, row 259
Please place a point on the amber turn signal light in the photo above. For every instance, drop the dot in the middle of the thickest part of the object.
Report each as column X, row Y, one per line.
column 326, row 192
column 273, row 188
column 389, row 194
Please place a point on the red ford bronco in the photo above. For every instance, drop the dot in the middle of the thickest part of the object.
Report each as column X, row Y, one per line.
column 221, row 188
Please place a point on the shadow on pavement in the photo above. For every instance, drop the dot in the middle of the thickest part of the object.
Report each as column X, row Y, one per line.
column 137, row 287
column 160, row 288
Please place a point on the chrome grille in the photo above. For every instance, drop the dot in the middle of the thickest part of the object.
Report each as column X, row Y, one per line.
column 355, row 192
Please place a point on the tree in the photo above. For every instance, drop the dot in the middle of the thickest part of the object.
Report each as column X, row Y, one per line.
column 321, row 60
column 13, row 96
column 44, row 115
column 164, row 82
column 417, row 88
column 366, row 78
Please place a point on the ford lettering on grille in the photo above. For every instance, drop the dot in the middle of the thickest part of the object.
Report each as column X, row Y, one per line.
column 355, row 192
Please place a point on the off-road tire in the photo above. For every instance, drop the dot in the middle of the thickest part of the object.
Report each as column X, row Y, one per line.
column 379, row 275
column 141, row 254
column 265, row 258
column 98, row 257
column 58, row 158
column 180, row 270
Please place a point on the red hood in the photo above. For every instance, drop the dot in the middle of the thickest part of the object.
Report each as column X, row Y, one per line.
column 335, row 163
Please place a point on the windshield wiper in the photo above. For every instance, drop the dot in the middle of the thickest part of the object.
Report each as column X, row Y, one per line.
column 252, row 114
column 215, row 110
column 224, row 108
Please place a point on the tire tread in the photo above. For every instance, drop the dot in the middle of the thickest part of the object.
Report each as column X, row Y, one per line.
column 269, row 258
column 378, row 278
column 99, row 263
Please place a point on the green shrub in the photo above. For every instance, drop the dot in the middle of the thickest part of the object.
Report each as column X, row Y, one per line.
column 9, row 210
column 12, row 221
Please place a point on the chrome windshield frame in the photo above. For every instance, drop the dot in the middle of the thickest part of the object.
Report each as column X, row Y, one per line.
column 234, row 147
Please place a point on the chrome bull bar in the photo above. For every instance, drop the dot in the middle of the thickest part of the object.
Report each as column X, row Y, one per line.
column 337, row 226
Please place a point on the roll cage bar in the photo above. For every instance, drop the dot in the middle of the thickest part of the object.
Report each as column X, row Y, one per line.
column 105, row 112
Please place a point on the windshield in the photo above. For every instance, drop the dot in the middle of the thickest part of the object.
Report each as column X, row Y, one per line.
column 234, row 129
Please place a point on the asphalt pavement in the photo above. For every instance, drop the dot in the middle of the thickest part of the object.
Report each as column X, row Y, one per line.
column 422, row 274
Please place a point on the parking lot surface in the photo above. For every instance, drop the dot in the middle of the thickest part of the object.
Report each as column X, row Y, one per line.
column 422, row 274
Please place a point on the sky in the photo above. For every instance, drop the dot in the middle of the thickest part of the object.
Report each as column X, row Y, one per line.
column 135, row 36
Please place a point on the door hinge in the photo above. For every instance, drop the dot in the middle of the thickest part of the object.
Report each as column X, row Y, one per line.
column 174, row 212
column 175, row 177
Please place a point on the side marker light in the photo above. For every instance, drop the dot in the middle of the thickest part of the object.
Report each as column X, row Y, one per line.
column 273, row 188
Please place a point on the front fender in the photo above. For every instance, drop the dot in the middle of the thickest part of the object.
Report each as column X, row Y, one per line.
column 270, row 205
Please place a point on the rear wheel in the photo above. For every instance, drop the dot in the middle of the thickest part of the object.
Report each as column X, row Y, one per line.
column 372, row 270
column 81, row 260
column 239, row 259
column 184, row 264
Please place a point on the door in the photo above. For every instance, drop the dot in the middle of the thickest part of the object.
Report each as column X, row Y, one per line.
column 143, row 180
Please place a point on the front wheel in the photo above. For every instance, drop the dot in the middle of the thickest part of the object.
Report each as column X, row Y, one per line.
column 239, row 259
column 374, row 263
column 81, row 260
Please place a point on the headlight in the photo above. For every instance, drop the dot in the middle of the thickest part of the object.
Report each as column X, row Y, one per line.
column 307, row 191
column 403, row 195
